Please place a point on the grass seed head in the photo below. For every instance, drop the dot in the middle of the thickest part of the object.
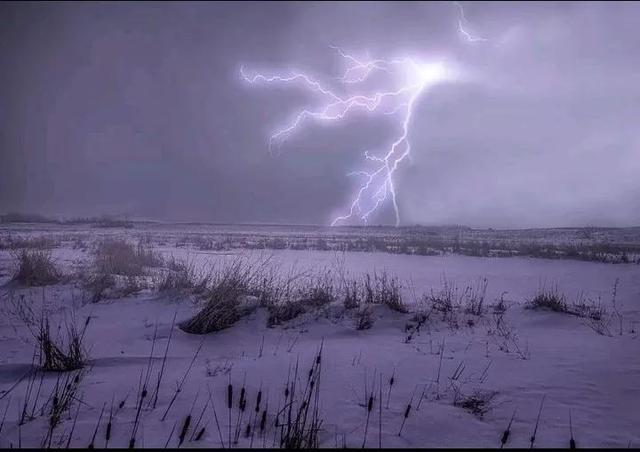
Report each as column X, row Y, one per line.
column 258, row 400
column 263, row 420
column 230, row 396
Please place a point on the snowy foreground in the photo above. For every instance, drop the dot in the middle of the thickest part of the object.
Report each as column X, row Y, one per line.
column 465, row 375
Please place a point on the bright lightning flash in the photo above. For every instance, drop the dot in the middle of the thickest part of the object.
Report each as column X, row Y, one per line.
column 411, row 78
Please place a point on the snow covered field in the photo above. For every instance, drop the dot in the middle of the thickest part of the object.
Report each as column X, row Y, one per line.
column 464, row 373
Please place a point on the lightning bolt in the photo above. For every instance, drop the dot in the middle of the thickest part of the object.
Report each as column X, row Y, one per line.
column 377, row 184
column 410, row 79
column 461, row 23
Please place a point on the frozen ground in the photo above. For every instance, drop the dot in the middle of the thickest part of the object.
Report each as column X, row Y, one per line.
column 591, row 377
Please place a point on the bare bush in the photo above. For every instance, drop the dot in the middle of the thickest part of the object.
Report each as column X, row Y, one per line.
column 36, row 268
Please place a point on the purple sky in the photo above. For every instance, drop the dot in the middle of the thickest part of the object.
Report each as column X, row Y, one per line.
column 138, row 108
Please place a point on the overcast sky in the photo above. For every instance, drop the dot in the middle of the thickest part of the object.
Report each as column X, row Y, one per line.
column 139, row 109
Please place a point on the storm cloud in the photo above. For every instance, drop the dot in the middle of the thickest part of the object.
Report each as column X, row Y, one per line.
column 139, row 109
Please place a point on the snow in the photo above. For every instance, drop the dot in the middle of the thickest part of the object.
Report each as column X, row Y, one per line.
column 595, row 378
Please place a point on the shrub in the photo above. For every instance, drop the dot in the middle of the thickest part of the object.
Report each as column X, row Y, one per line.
column 36, row 268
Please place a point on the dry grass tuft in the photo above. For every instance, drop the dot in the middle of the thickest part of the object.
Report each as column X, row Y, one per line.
column 221, row 311
column 478, row 402
column 36, row 268
column 182, row 275
column 549, row 299
column 119, row 257
column 379, row 289
column 60, row 355
column 230, row 286
column 364, row 318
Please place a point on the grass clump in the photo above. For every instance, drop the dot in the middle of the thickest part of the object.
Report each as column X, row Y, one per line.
column 596, row 316
column 98, row 284
column 475, row 297
column 320, row 293
column 229, row 290
column 380, row 289
column 119, row 257
column 477, row 403
column 549, row 299
column 57, row 354
column 222, row 310
column 36, row 268
column 283, row 311
column 299, row 420
column 182, row 275
column 364, row 319
column 385, row 290
column 60, row 352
